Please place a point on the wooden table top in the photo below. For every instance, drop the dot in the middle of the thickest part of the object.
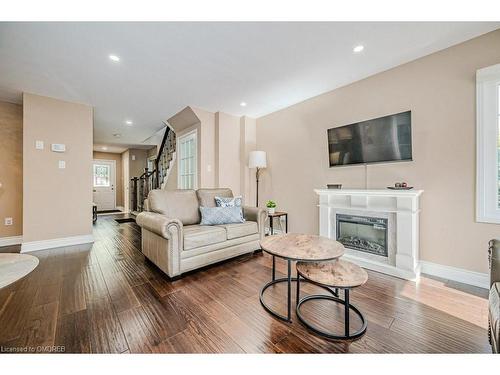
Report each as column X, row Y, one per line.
column 304, row 247
column 334, row 273
column 278, row 213
column 15, row 266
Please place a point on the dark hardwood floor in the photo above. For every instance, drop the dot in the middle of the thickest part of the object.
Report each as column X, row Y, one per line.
column 106, row 298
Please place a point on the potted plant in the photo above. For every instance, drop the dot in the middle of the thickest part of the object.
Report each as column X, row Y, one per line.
column 271, row 207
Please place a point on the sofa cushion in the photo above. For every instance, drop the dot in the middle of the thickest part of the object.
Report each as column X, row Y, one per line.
column 198, row 235
column 221, row 215
column 175, row 204
column 206, row 197
column 229, row 202
column 240, row 230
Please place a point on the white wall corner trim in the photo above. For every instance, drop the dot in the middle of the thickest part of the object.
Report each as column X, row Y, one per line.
column 461, row 275
column 9, row 241
column 56, row 242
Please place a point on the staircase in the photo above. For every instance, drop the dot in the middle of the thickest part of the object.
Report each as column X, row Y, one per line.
column 157, row 178
column 166, row 158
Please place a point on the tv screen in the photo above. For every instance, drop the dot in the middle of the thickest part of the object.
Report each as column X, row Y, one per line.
column 382, row 139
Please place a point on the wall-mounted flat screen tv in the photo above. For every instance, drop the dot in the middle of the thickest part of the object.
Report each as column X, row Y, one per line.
column 383, row 139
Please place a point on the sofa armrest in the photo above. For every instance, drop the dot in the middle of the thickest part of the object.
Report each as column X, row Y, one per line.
column 159, row 224
column 256, row 214
column 494, row 261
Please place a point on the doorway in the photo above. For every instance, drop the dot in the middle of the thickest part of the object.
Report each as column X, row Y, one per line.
column 104, row 181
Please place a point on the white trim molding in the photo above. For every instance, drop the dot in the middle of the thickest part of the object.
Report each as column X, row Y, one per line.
column 461, row 275
column 9, row 241
column 56, row 242
column 487, row 112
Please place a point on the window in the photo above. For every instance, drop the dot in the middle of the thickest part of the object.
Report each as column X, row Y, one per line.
column 102, row 175
column 187, row 161
column 488, row 145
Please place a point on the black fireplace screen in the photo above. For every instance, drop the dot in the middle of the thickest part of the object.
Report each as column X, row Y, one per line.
column 368, row 234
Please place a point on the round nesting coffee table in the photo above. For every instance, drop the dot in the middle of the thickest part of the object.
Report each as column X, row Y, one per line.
column 337, row 274
column 296, row 247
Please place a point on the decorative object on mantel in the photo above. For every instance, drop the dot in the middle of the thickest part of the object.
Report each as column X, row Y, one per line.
column 334, row 186
column 257, row 159
column 271, row 207
column 400, row 186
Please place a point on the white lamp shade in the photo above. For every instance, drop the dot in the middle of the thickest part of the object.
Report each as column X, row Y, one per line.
column 257, row 159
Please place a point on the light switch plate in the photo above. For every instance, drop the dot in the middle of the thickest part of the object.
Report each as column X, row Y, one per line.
column 39, row 145
column 8, row 221
column 58, row 147
column 62, row 164
column 133, row 157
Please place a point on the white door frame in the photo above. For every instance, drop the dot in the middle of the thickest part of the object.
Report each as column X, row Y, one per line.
column 113, row 162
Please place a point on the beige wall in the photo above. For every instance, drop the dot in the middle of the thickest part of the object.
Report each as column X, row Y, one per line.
column 440, row 91
column 11, row 168
column 126, row 180
column 248, row 142
column 57, row 203
column 119, row 173
column 227, row 152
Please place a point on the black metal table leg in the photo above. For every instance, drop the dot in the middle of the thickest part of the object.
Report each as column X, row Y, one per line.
column 286, row 223
column 289, row 290
column 346, row 308
column 274, row 268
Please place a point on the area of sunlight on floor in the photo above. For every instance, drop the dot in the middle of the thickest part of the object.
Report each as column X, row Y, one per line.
column 459, row 304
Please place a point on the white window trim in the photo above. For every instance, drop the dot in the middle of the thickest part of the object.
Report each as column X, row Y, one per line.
column 487, row 81
column 194, row 134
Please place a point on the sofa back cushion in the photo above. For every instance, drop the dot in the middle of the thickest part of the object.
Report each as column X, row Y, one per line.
column 175, row 204
column 206, row 197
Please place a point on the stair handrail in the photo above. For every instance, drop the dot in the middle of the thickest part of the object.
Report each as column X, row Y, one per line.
column 158, row 155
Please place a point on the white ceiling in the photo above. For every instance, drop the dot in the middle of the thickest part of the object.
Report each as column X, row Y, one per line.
column 167, row 66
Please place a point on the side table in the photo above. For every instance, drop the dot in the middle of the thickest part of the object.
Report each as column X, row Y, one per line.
column 277, row 214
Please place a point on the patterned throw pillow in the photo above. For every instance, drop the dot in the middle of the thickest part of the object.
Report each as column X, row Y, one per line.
column 221, row 215
column 228, row 202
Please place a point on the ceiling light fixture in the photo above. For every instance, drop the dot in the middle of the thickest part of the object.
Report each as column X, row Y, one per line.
column 128, row 122
column 117, row 135
column 243, row 104
column 358, row 49
column 114, row 58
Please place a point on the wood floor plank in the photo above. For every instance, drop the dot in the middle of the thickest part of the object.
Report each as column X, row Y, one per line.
column 73, row 332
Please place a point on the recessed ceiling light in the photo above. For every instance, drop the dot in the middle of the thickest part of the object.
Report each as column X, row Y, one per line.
column 243, row 104
column 117, row 135
column 114, row 58
column 104, row 148
column 358, row 49
column 128, row 122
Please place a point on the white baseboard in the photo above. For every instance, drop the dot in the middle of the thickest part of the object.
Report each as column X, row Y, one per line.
column 478, row 279
column 9, row 241
column 56, row 242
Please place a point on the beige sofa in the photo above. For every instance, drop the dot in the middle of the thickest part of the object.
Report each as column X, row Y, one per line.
column 175, row 242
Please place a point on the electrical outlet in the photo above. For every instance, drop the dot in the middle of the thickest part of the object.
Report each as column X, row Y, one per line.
column 8, row 221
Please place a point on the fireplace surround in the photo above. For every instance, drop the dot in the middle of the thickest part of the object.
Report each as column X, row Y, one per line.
column 396, row 212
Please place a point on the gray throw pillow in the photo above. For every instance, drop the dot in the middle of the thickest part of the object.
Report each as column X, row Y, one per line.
column 221, row 215
column 228, row 202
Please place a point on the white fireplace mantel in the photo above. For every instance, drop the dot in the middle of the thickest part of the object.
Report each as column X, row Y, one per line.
column 404, row 205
